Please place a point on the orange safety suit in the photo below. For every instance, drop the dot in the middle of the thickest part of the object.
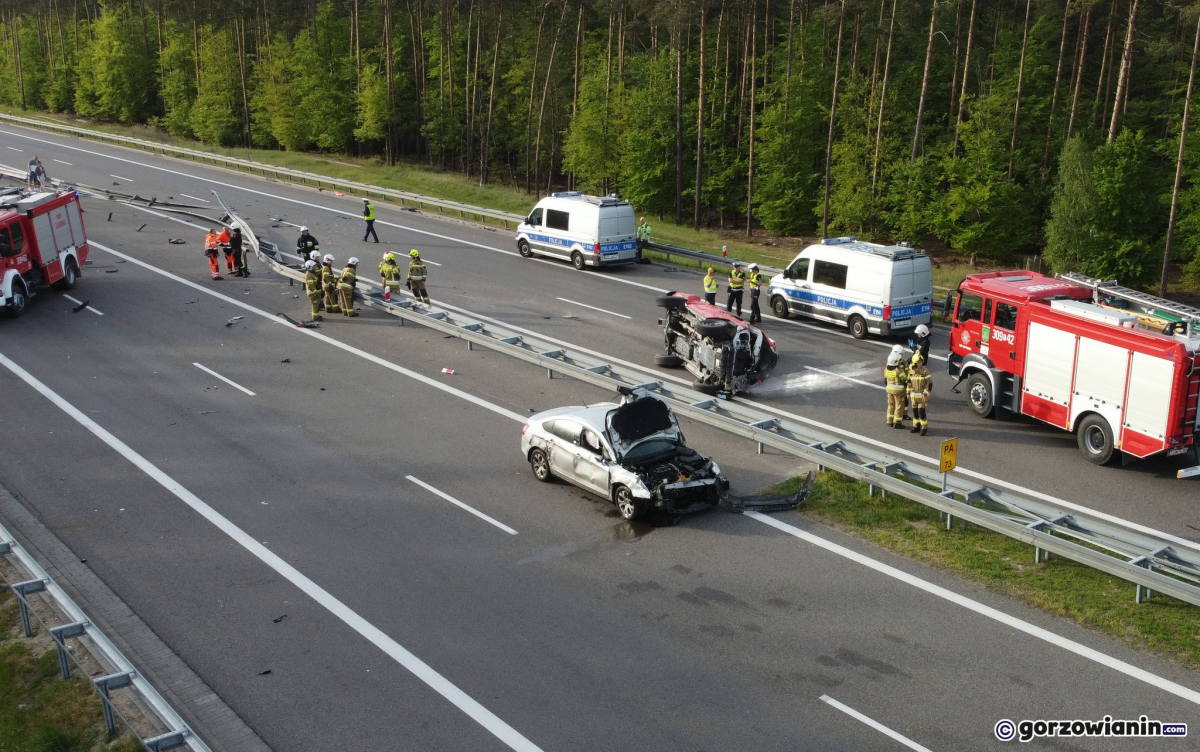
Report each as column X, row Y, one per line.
column 223, row 242
column 210, row 250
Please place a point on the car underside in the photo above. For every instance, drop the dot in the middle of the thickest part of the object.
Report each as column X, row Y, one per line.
column 724, row 354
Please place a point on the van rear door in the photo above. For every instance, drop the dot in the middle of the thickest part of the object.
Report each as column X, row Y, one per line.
column 617, row 233
column 912, row 292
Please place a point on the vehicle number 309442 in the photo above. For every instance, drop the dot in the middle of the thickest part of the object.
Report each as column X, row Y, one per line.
column 1006, row 337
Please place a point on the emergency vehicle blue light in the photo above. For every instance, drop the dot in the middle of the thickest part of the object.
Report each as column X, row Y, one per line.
column 567, row 194
column 835, row 241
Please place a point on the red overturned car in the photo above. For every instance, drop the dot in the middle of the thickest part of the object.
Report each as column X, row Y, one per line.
column 725, row 354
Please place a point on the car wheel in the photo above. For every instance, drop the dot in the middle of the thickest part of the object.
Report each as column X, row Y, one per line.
column 779, row 307
column 670, row 361
column 1096, row 440
column 18, row 300
column 70, row 277
column 709, row 389
column 577, row 261
column 858, row 327
column 524, row 249
column 979, row 394
column 718, row 330
column 540, row 464
column 670, row 302
column 630, row 506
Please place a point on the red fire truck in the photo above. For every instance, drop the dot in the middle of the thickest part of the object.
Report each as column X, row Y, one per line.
column 1116, row 366
column 41, row 243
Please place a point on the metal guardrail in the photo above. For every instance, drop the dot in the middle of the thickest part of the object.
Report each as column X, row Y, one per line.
column 703, row 256
column 120, row 672
column 1150, row 563
column 465, row 211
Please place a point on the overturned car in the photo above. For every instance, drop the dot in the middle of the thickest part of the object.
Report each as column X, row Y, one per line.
column 725, row 354
column 634, row 455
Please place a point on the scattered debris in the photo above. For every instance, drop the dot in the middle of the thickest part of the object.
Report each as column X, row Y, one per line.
column 140, row 228
column 322, row 389
column 80, row 307
column 110, row 216
column 234, row 320
column 293, row 322
column 176, row 241
column 110, row 271
column 279, row 619
column 115, row 183
column 570, row 316
column 286, row 360
column 264, row 673
column 545, row 317
column 246, row 291
column 277, row 225
column 83, row 561
column 209, row 412
column 448, row 371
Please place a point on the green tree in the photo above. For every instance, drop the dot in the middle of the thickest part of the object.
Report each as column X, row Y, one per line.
column 178, row 84
column 116, row 73
column 215, row 115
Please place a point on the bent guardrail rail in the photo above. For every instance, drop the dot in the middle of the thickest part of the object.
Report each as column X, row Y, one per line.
column 1150, row 563
column 703, row 256
column 174, row 731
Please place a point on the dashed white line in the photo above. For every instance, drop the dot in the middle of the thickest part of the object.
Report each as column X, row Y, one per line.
column 423, row 671
column 195, row 198
column 458, row 503
column 874, row 724
column 594, row 308
column 68, row 164
column 80, row 302
column 230, row 382
column 847, row 378
column 14, row 148
column 118, row 177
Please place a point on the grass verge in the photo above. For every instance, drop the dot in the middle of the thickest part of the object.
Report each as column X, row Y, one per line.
column 1061, row 587
column 39, row 711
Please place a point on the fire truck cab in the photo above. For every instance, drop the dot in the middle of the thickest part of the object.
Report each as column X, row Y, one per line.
column 42, row 242
column 1116, row 366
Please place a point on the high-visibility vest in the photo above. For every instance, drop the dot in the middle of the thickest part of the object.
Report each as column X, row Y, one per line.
column 369, row 212
column 210, row 241
column 348, row 278
column 896, row 379
column 643, row 231
column 755, row 279
column 312, row 282
column 416, row 271
column 390, row 274
column 328, row 281
column 736, row 279
column 710, row 283
column 223, row 238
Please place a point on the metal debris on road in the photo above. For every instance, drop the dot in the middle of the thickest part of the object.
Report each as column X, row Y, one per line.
column 80, row 307
column 279, row 619
column 234, row 320
column 110, row 271
column 209, row 412
column 264, row 673
column 286, row 360
column 176, row 241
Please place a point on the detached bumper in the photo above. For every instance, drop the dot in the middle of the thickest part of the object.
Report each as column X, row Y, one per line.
column 777, row 503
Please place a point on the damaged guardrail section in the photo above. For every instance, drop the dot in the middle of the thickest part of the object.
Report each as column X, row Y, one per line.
column 117, row 672
column 1151, row 564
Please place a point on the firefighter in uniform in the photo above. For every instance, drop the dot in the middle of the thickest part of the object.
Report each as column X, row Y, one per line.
column 235, row 247
column 737, row 281
column 417, row 275
column 643, row 236
column 346, row 284
column 895, row 378
column 710, row 286
column 920, row 389
column 312, row 287
column 329, row 285
column 306, row 244
column 755, row 280
column 223, row 244
column 390, row 273
column 210, row 250
column 919, row 342
column 369, row 216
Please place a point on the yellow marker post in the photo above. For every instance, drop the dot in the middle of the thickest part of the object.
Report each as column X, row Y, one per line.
column 949, row 458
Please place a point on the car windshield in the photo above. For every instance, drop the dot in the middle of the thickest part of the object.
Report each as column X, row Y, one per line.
column 650, row 448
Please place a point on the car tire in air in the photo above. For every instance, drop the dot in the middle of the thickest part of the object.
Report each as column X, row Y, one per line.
column 540, row 464
column 524, row 249
column 670, row 302
column 1096, row 440
column 630, row 506
column 718, row 330
column 979, row 395
column 577, row 261
column 858, row 327
column 709, row 389
column 669, row 361
column 779, row 307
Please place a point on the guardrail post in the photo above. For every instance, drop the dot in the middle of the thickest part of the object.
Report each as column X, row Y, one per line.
column 60, row 634
column 22, row 589
column 103, row 685
column 170, row 740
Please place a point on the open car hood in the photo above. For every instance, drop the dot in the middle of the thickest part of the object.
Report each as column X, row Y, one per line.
column 639, row 419
column 777, row 503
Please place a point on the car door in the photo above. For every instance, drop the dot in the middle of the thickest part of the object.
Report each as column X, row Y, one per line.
column 1003, row 341
column 799, row 290
column 564, row 445
column 537, row 232
column 591, row 462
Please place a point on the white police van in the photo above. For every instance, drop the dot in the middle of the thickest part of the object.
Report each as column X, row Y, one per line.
column 585, row 230
column 866, row 286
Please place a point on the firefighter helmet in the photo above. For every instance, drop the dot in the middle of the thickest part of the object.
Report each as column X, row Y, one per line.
column 922, row 331
column 315, row 255
column 310, row 265
column 389, row 256
column 353, row 261
column 303, row 228
column 414, row 253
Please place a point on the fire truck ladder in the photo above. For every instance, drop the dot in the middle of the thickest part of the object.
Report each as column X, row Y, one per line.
column 1167, row 565
column 1110, row 288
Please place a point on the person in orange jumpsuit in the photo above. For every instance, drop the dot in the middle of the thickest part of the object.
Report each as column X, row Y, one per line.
column 211, row 242
column 223, row 243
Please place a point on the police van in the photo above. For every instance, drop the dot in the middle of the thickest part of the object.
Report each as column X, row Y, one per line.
column 585, row 230
column 870, row 288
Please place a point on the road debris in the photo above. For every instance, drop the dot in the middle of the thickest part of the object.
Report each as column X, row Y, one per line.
column 448, row 371
column 286, row 360
column 234, row 320
column 176, row 241
column 80, row 307
column 293, row 322
column 209, row 412
column 279, row 619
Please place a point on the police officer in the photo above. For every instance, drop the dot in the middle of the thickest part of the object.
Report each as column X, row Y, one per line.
column 710, row 286
column 389, row 272
column 306, row 244
column 737, row 281
column 235, row 247
column 895, row 378
column 919, row 342
column 643, row 236
column 329, row 285
column 369, row 216
column 920, row 389
column 210, row 250
column 756, row 281
column 417, row 275
column 346, row 284
column 312, row 287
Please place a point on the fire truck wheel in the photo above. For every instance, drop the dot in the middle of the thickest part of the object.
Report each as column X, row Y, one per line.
column 979, row 394
column 1096, row 440
column 70, row 277
column 18, row 300
column 858, row 327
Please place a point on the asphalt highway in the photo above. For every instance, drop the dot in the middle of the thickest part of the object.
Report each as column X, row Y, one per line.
column 319, row 537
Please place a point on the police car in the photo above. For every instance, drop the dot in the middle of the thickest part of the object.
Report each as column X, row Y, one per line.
column 585, row 230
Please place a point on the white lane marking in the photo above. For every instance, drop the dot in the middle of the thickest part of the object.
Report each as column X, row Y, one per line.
column 377, row 637
column 458, row 503
column 15, row 149
column 847, row 378
column 230, row 382
column 118, row 177
column 316, row 335
column 68, row 164
column 201, row 228
column 917, row 582
column 874, row 724
column 594, row 308
column 978, row 476
column 195, row 198
column 970, row 604
column 80, row 302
